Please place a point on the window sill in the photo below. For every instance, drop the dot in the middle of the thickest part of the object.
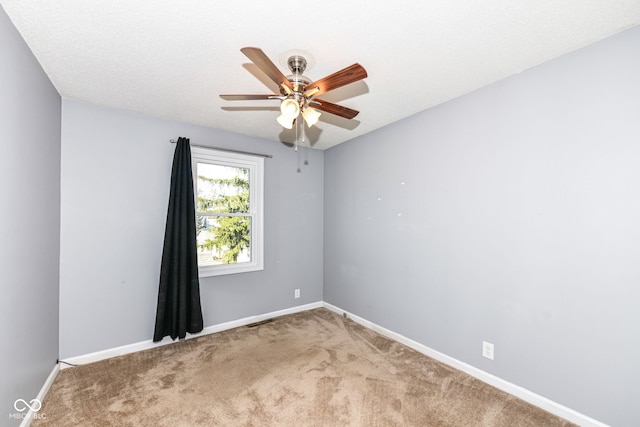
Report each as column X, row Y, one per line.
column 222, row 270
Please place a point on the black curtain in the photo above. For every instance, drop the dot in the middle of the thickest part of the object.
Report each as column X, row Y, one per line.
column 179, row 308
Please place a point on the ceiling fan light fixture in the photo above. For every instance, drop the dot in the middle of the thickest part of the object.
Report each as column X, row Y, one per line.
column 310, row 116
column 290, row 108
column 285, row 122
column 297, row 93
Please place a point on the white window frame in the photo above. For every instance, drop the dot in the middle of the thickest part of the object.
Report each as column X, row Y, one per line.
column 255, row 165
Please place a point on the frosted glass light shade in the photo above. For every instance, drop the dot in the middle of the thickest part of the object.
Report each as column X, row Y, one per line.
column 285, row 122
column 290, row 108
column 310, row 116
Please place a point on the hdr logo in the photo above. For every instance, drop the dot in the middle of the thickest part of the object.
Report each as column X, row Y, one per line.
column 24, row 408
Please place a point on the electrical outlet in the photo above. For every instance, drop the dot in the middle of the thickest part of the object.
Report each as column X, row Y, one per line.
column 487, row 350
column 296, row 293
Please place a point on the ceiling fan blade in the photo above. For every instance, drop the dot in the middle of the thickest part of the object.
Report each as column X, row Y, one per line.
column 262, row 61
column 248, row 97
column 351, row 74
column 330, row 107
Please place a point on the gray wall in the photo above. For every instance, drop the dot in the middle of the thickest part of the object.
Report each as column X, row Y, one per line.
column 116, row 169
column 510, row 215
column 29, row 221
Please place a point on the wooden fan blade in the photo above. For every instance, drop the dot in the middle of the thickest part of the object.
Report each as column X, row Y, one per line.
column 338, row 79
column 262, row 61
column 247, row 97
column 330, row 107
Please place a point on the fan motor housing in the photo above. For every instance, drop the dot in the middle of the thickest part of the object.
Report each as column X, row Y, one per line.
column 297, row 65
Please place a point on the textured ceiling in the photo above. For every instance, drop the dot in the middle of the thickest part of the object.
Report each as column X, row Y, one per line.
column 173, row 58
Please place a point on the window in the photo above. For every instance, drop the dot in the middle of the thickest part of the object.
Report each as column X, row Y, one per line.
column 229, row 193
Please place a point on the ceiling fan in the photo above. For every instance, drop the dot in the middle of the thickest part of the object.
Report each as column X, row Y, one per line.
column 297, row 92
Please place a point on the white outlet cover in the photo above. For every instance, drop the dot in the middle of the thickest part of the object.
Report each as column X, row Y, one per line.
column 487, row 350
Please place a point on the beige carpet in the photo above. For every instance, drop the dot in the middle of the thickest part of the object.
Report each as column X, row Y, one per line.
column 314, row 368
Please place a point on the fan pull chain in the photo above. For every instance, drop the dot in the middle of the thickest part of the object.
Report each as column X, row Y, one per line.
column 297, row 124
column 306, row 160
column 298, row 152
column 295, row 143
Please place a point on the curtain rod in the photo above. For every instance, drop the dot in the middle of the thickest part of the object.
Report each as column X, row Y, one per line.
column 173, row 141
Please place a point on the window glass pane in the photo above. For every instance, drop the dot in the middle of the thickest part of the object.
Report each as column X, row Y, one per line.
column 229, row 207
column 223, row 240
column 222, row 189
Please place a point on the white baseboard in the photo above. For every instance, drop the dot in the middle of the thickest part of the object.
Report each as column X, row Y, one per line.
column 145, row 345
column 520, row 392
column 26, row 421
